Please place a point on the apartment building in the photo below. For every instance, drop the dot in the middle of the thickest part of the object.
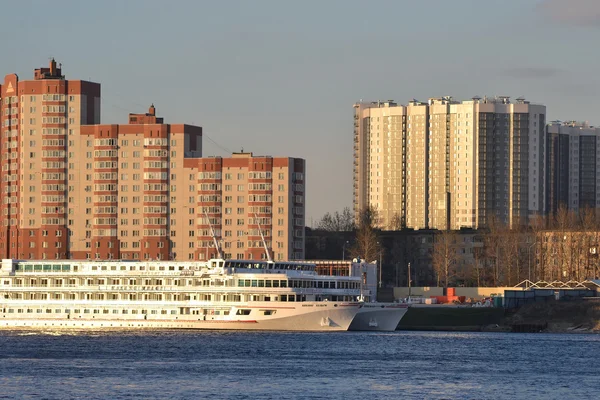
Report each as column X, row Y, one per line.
column 448, row 164
column 41, row 118
column 573, row 161
column 74, row 188
column 124, row 187
column 242, row 199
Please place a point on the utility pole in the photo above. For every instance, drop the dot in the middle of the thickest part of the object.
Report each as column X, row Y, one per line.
column 380, row 268
column 409, row 281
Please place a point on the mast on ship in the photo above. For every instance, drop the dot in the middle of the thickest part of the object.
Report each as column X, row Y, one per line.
column 262, row 237
column 214, row 237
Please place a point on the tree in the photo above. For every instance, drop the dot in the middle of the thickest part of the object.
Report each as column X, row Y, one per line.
column 367, row 244
column 337, row 222
column 396, row 223
column 444, row 257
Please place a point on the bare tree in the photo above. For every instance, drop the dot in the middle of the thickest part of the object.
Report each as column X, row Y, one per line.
column 396, row 223
column 444, row 257
column 367, row 244
column 493, row 249
column 337, row 222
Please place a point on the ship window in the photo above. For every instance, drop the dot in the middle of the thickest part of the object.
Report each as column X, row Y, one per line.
column 48, row 311
column 163, row 311
column 242, row 312
column 173, row 311
column 283, row 297
column 37, row 267
column 267, row 283
column 29, row 311
column 10, row 310
column 76, row 311
column 96, row 311
column 104, row 268
column 86, row 311
column 134, row 311
column 261, row 283
column 57, row 311
column 66, row 268
column 113, row 267
column 39, row 310
column 20, row 311
column 105, row 311
column 154, row 312
column 283, row 284
column 275, row 283
column 270, row 312
column 254, row 283
column 47, row 267
column 125, row 311
column 28, row 268
column 56, row 268
column 115, row 311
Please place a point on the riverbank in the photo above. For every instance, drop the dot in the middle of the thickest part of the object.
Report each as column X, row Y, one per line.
column 560, row 316
column 581, row 316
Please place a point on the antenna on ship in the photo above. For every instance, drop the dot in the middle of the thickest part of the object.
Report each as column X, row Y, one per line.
column 214, row 237
column 263, row 239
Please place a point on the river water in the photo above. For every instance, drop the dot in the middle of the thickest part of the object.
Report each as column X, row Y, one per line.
column 275, row 365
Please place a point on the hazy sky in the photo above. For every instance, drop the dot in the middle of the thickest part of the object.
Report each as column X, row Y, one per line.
column 279, row 77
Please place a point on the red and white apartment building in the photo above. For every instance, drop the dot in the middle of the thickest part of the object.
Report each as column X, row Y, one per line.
column 74, row 188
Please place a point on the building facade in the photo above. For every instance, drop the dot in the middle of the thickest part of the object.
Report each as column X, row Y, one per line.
column 446, row 164
column 41, row 119
column 573, row 166
column 243, row 199
column 74, row 188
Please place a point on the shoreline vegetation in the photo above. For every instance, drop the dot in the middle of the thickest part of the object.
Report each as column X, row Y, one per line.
column 581, row 316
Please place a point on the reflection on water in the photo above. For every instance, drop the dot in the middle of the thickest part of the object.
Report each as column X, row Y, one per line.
column 250, row 365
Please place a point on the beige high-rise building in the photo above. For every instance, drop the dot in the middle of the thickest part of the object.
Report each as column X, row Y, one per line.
column 447, row 164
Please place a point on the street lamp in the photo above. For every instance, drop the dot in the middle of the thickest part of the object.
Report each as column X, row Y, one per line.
column 379, row 265
column 344, row 250
column 409, row 282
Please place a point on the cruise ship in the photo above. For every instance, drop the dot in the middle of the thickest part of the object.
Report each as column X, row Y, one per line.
column 373, row 315
column 217, row 294
column 380, row 317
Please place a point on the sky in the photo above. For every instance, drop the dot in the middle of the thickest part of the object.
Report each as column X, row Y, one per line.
column 279, row 78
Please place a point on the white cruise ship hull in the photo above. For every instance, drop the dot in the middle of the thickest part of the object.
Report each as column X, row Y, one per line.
column 302, row 316
column 382, row 317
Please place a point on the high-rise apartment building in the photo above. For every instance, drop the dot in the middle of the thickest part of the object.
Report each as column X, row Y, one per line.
column 123, row 188
column 446, row 164
column 573, row 160
column 40, row 120
column 239, row 198
column 73, row 188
